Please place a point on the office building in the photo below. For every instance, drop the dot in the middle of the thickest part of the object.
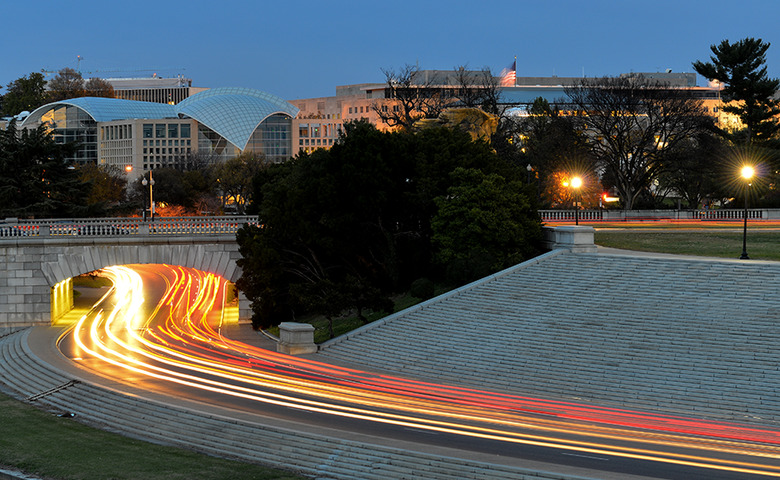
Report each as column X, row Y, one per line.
column 137, row 136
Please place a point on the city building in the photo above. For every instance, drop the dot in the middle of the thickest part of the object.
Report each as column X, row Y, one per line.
column 321, row 119
column 155, row 89
column 136, row 136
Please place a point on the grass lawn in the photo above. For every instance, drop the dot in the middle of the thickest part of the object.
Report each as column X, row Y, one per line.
column 45, row 445
column 762, row 244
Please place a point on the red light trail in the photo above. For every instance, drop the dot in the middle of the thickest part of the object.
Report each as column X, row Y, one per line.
column 179, row 339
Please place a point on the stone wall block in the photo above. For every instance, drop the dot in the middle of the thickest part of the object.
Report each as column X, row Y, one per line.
column 296, row 338
column 224, row 260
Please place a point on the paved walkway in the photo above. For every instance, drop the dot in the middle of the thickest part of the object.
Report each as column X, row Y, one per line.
column 672, row 334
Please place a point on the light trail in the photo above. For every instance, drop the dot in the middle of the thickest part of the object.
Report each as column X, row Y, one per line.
column 179, row 340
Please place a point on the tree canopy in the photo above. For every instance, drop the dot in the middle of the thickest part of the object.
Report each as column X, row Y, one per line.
column 67, row 84
column 36, row 180
column 633, row 124
column 358, row 218
column 740, row 68
column 24, row 94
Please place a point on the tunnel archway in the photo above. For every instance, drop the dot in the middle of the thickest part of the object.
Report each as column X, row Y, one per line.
column 72, row 261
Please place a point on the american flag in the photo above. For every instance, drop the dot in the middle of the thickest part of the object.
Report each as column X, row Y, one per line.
column 509, row 75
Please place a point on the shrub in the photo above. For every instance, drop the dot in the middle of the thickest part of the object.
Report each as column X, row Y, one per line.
column 422, row 288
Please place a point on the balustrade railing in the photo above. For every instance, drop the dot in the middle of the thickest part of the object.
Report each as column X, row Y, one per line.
column 117, row 227
column 13, row 228
column 659, row 215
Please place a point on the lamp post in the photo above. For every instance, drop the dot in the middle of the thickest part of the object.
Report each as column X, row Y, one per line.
column 529, row 169
column 576, row 183
column 151, row 196
column 747, row 174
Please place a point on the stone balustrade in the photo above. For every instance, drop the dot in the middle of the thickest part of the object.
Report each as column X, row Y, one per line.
column 13, row 228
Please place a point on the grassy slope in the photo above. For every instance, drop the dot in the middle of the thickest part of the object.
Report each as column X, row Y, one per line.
column 43, row 444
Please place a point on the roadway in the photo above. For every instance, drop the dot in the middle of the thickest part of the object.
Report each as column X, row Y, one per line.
column 163, row 330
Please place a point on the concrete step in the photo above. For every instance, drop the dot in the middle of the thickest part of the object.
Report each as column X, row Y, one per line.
column 315, row 455
column 655, row 326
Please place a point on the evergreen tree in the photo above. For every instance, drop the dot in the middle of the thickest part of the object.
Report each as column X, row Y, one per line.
column 36, row 180
column 741, row 68
column 24, row 94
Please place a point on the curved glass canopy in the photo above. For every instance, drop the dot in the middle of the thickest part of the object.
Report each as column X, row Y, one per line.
column 233, row 113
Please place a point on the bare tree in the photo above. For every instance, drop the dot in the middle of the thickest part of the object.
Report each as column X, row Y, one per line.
column 235, row 179
column 67, row 84
column 632, row 124
column 414, row 98
column 479, row 89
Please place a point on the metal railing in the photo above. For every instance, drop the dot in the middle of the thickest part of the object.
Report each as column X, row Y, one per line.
column 13, row 228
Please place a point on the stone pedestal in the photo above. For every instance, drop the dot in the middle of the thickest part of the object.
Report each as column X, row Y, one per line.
column 296, row 338
column 577, row 238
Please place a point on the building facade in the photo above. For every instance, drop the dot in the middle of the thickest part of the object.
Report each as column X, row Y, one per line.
column 154, row 89
column 136, row 137
column 320, row 120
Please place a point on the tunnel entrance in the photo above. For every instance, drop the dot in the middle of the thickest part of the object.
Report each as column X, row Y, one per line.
column 74, row 297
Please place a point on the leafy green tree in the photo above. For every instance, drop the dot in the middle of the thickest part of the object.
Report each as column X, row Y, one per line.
column 24, row 94
column 741, row 68
column 36, row 180
column 484, row 223
column 352, row 221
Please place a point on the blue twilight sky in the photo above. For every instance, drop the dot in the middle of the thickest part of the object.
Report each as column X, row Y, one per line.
column 303, row 48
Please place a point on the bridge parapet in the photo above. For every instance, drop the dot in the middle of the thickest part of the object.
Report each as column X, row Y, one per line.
column 13, row 229
column 38, row 255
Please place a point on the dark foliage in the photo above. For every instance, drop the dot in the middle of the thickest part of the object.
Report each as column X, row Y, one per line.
column 36, row 180
column 347, row 227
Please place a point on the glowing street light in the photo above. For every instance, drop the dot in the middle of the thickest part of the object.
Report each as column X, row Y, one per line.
column 576, row 183
column 747, row 173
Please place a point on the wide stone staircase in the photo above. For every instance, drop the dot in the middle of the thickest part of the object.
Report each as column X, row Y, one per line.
column 25, row 376
column 666, row 334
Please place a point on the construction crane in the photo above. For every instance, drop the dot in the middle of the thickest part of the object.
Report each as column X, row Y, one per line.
column 103, row 73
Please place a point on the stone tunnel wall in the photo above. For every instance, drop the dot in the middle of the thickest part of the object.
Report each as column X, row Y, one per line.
column 32, row 267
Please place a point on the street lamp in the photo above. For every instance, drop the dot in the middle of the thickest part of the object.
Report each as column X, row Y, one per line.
column 151, row 196
column 747, row 174
column 576, row 183
column 529, row 169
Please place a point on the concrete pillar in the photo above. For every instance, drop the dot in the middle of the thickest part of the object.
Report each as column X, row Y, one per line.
column 296, row 338
column 577, row 238
column 244, row 308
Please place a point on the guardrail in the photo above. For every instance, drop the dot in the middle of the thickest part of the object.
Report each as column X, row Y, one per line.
column 13, row 228
column 653, row 215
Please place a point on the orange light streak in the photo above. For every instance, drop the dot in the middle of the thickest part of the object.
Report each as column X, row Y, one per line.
column 177, row 342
